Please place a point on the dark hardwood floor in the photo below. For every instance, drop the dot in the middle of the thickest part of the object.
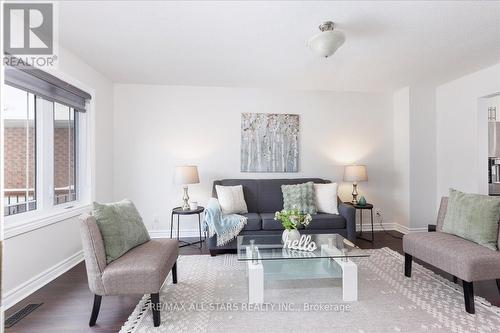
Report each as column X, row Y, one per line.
column 67, row 301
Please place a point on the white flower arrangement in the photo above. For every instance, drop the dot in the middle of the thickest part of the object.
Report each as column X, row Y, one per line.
column 293, row 219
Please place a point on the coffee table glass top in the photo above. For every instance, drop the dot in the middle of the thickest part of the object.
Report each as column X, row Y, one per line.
column 270, row 247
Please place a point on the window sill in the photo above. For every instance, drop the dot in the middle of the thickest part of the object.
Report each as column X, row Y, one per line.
column 16, row 228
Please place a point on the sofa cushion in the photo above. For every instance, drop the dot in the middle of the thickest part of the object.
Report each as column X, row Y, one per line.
column 231, row 199
column 141, row 270
column 457, row 256
column 250, row 191
column 270, row 196
column 473, row 217
column 121, row 227
column 326, row 198
column 442, row 213
column 254, row 221
column 299, row 196
column 319, row 222
column 269, row 223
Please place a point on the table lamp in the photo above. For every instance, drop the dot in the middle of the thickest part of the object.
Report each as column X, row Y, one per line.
column 355, row 174
column 184, row 175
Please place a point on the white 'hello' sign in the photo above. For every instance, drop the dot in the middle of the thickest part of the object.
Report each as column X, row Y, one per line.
column 303, row 244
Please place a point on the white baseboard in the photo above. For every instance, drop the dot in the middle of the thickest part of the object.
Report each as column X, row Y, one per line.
column 405, row 230
column 376, row 226
column 25, row 289
column 389, row 226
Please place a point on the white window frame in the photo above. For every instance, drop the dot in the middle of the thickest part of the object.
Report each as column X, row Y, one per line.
column 81, row 118
column 46, row 212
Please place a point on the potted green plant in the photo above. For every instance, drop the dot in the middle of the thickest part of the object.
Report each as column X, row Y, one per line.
column 292, row 220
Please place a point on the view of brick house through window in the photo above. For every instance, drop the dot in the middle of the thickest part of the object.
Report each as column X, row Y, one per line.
column 19, row 151
column 21, row 146
column 64, row 154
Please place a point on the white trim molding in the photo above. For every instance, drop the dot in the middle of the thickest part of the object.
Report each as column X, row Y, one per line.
column 367, row 227
column 25, row 289
column 388, row 226
column 13, row 229
column 406, row 230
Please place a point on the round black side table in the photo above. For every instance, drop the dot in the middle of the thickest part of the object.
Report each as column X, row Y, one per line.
column 179, row 211
column 361, row 208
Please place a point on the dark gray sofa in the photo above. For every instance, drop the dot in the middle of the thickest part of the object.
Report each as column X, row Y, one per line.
column 264, row 197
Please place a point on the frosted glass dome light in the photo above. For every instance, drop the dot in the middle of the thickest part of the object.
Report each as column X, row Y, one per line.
column 327, row 41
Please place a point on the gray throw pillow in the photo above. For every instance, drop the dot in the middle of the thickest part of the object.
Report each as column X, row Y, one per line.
column 474, row 217
column 121, row 227
column 300, row 196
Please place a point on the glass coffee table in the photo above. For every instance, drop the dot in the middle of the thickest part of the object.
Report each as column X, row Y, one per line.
column 266, row 258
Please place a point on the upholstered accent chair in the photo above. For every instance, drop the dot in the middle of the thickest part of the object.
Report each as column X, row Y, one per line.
column 459, row 257
column 142, row 270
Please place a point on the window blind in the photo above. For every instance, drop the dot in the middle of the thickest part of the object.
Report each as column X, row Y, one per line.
column 47, row 86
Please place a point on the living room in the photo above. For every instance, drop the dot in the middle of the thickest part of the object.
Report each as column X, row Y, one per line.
column 262, row 165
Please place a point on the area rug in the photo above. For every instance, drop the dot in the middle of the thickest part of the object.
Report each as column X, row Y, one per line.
column 211, row 296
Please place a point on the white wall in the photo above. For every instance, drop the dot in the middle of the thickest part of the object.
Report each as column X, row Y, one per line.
column 31, row 259
column 74, row 67
column 423, row 209
column 158, row 127
column 401, row 180
column 462, row 131
column 28, row 256
column 414, row 157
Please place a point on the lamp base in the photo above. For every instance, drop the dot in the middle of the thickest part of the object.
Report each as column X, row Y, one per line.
column 185, row 199
column 354, row 194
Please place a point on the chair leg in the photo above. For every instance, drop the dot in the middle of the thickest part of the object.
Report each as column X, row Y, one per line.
column 174, row 273
column 155, row 307
column 408, row 260
column 469, row 296
column 95, row 310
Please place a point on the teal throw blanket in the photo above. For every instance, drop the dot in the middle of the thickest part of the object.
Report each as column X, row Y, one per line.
column 227, row 227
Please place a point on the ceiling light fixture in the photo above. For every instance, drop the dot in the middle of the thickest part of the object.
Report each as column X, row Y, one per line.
column 327, row 41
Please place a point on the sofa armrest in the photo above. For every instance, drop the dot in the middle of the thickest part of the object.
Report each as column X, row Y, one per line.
column 349, row 213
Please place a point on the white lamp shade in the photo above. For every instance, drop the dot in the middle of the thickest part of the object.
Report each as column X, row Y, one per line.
column 187, row 174
column 326, row 42
column 355, row 173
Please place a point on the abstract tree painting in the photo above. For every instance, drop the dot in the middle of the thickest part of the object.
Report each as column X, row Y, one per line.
column 269, row 142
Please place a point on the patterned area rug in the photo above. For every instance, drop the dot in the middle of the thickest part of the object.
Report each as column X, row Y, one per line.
column 212, row 292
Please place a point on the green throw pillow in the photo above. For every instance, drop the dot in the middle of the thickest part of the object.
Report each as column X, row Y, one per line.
column 121, row 227
column 300, row 196
column 474, row 217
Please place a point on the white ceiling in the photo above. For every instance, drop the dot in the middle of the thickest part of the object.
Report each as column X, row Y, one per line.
column 263, row 43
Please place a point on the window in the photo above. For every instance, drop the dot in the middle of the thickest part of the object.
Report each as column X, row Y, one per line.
column 64, row 154
column 45, row 152
column 19, row 151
